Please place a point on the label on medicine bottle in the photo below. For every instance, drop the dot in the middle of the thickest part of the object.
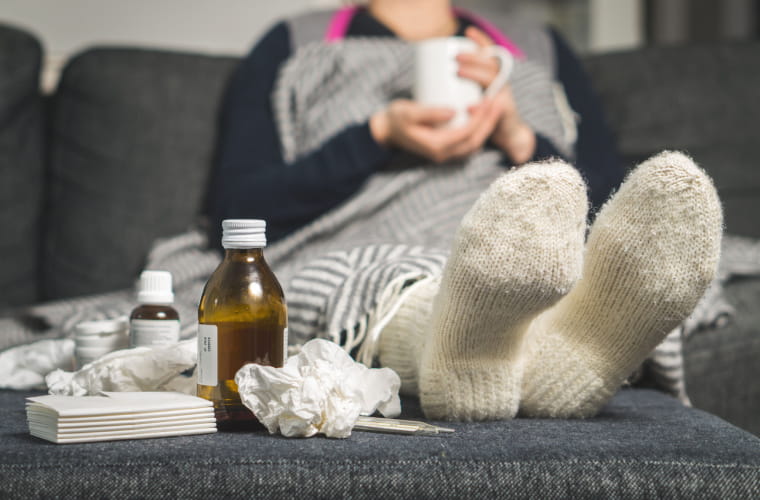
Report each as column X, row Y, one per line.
column 207, row 355
column 151, row 332
column 284, row 346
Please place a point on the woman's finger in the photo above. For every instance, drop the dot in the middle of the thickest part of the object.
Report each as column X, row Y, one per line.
column 478, row 36
column 428, row 115
column 472, row 136
column 444, row 143
column 478, row 67
column 477, row 58
column 484, row 125
column 438, row 143
column 479, row 74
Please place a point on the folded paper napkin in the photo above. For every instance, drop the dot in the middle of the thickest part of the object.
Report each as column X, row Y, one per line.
column 320, row 390
column 112, row 416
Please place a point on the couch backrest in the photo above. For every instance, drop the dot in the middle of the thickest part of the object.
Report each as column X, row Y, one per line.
column 132, row 136
column 132, row 132
column 21, row 165
column 702, row 99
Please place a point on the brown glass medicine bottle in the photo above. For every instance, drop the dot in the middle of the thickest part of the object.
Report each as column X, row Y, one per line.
column 242, row 319
column 154, row 322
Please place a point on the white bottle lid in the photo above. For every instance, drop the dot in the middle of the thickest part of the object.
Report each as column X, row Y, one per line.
column 155, row 288
column 244, row 233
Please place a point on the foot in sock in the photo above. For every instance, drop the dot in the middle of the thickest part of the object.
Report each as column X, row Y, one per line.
column 403, row 337
column 517, row 251
column 652, row 251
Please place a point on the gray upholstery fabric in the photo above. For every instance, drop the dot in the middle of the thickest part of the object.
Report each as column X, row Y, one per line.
column 21, row 165
column 132, row 138
column 723, row 365
column 643, row 445
column 700, row 99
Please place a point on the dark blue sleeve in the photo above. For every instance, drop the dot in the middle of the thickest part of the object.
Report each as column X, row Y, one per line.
column 597, row 157
column 545, row 148
column 251, row 179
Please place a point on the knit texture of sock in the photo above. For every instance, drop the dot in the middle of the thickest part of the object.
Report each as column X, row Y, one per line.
column 403, row 337
column 652, row 251
column 517, row 251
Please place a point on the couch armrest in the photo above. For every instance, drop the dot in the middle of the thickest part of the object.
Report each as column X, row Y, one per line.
column 21, row 165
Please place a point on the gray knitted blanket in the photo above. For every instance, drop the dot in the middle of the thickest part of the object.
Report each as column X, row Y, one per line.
column 189, row 260
column 399, row 226
column 397, row 229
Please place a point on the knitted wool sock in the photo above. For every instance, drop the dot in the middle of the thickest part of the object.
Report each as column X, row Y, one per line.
column 403, row 338
column 651, row 254
column 517, row 251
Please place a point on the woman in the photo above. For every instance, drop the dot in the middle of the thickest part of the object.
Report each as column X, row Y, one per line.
column 363, row 193
column 251, row 180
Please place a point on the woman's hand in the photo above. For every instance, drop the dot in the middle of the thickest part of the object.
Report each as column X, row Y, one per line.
column 511, row 134
column 420, row 129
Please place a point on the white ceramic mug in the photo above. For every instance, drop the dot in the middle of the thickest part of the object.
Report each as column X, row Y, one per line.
column 436, row 82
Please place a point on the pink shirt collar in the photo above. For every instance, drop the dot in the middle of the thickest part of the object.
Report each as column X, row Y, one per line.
column 341, row 20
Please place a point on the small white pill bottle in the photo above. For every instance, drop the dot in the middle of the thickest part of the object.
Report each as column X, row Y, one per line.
column 154, row 322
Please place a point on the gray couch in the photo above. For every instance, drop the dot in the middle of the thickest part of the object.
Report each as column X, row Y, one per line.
column 120, row 155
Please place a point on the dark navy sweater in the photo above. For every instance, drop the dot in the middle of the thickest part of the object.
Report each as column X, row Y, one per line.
column 251, row 179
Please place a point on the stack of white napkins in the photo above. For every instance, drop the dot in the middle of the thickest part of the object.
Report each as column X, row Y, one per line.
column 118, row 415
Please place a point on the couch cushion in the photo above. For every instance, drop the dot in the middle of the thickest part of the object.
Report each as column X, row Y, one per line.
column 131, row 147
column 643, row 445
column 721, row 364
column 701, row 99
column 21, row 165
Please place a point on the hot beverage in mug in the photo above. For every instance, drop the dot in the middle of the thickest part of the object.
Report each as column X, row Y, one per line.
column 436, row 82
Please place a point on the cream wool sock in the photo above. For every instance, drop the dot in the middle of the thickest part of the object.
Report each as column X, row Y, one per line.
column 403, row 338
column 651, row 253
column 517, row 251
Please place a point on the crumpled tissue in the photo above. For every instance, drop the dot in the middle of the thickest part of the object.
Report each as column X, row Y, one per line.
column 138, row 369
column 320, row 390
column 24, row 367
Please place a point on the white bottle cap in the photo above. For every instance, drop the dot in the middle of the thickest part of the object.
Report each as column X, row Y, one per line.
column 244, row 233
column 155, row 288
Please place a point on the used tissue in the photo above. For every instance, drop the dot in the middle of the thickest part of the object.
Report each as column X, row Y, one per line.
column 320, row 390
column 138, row 369
column 24, row 367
